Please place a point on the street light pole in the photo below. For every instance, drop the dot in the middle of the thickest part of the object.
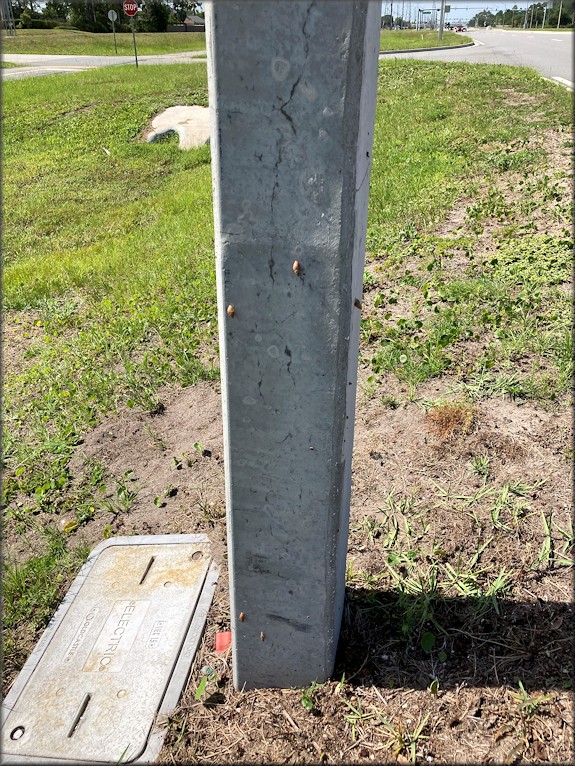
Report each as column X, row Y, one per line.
column 441, row 20
column 559, row 17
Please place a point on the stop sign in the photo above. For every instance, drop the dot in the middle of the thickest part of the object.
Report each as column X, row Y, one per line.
column 130, row 7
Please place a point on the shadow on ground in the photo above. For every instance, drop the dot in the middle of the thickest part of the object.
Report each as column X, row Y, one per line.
column 474, row 642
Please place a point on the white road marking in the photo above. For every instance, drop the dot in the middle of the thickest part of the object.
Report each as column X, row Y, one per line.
column 478, row 43
column 33, row 69
column 556, row 40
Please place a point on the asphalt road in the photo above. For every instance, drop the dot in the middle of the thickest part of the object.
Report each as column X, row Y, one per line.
column 550, row 53
column 37, row 65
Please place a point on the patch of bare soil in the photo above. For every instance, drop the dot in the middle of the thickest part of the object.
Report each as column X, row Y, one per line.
column 172, row 464
column 409, row 475
column 19, row 337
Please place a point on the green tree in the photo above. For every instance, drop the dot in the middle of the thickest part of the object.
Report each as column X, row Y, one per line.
column 183, row 8
column 56, row 10
column 482, row 19
column 92, row 16
column 19, row 6
column 535, row 14
column 567, row 14
column 154, row 16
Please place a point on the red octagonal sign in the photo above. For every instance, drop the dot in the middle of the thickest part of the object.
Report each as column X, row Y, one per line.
column 130, row 7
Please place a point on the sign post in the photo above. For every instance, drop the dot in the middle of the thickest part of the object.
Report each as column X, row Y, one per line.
column 420, row 18
column 112, row 15
column 294, row 85
column 130, row 9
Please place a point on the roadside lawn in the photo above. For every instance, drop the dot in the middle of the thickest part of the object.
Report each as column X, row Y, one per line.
column 74, row 41
column 456, row 644
column 69, row 41
column 407, row 39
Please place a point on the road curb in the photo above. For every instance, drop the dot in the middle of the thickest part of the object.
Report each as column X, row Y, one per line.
column 427, row 50
column 561, row 81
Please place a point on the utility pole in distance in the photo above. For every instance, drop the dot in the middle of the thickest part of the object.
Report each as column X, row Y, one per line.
column 441, row 20
column 292, row 88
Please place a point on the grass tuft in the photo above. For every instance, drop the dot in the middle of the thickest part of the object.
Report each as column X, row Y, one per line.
column 451, row 419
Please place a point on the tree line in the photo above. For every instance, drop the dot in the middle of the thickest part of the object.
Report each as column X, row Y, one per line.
column 532, row 16
column 92, row 15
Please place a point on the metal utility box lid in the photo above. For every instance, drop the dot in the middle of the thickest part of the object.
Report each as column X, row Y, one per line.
column 115, row 657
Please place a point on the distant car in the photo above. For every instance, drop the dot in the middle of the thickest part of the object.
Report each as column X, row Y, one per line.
column 460, row 29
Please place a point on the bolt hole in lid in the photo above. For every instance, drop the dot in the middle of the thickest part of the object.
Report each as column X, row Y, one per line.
column 121, row 646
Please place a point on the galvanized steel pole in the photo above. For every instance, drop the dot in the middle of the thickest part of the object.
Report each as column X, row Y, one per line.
column 441, row 20
column 292, row 92
column 134, row 38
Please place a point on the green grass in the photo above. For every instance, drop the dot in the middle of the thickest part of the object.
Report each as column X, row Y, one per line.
column 104, row 254
column 511, row 302
column 31, row 591
column 108, row 278
column 407, row 39
column 423, row 584
column 109, row 274
column 7, row 65
column 428, row 137
column 69, row 41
